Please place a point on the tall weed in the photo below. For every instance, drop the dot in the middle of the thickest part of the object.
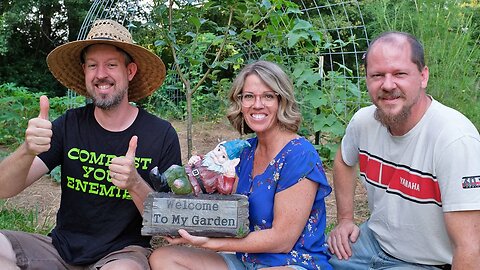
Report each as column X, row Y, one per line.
column 23, row 220
column 449, row 32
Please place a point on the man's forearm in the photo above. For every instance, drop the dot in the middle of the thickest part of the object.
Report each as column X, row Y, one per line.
column 14, row 171
column 139, row 193
column 345, row 203
column 344, row 186
column 466, row 246
column 466, row 259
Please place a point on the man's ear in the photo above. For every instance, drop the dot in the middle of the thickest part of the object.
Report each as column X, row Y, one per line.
column 425, row 75
column 131, row 70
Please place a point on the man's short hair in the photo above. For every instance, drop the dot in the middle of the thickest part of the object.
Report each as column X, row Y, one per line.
column 417, row 53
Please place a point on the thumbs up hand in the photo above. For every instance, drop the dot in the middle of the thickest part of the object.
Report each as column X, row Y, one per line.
column 123, row 173
column 39, row 130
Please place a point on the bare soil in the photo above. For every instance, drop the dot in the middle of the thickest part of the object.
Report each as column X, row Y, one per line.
column 44, row 195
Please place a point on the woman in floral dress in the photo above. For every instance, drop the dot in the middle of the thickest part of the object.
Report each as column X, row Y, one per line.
column 282, row 175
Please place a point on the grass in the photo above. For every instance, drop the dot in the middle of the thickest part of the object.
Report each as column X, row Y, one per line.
column 22, row 220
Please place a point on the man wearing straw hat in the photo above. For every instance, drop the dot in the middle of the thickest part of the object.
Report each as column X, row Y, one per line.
column 106, row 150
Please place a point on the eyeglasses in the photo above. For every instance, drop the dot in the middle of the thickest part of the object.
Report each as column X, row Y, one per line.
column 267, row 99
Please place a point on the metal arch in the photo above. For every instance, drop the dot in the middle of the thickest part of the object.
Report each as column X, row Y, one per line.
column 118, row 10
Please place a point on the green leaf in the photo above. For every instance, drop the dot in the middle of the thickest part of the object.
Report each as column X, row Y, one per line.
column 331, row 119
column 318, row 102
column 247, row 34
column 171, row 37
column 353, row 89
column 256, row 18
column 292, row 10
column 159, row 43
column 195, row 21
column 315, row 35
column 319, row 123
column 313, row 78
column 191, row 34
column 266, row 4
column 293, row 38
column 337, row 129
column 339, row 107
column 302, row 25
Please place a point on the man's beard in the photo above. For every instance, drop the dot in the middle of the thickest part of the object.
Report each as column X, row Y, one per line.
column 389, row 120
column 394, row 120
column 106, row 103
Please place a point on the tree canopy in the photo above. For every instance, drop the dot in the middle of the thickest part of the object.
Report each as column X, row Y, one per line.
column 30, row 30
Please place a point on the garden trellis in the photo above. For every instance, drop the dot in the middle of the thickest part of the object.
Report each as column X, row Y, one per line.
column 339, row 20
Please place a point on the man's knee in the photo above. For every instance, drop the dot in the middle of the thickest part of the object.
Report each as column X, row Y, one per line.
column 7, row 255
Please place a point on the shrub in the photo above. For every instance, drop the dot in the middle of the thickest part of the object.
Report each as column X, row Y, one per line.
column 23, row 105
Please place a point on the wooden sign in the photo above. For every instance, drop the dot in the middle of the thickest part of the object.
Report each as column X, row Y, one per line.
column 211, row 215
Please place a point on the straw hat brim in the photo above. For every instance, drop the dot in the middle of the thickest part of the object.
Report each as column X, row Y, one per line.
column 65, row 64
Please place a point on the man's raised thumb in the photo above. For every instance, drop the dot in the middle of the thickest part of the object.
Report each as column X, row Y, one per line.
column 44, row 107
column 132, row 147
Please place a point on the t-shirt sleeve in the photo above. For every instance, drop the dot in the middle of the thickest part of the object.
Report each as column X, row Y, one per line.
column 458, row 175
column 302, row 162
column 172, row 152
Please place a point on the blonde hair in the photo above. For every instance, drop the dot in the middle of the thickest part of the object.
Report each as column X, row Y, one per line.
column 288, row 115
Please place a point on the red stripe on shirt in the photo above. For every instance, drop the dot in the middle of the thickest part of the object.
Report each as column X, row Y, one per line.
column 401, row 180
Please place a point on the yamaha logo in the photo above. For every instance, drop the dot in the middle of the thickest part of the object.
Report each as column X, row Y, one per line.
column 471, row 182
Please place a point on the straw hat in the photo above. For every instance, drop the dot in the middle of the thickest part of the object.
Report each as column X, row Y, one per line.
column 65, row 61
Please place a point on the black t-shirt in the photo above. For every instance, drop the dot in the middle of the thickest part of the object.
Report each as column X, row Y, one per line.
column 95, row 217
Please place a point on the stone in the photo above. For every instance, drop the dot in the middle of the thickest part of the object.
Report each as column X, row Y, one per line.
column 210, row 215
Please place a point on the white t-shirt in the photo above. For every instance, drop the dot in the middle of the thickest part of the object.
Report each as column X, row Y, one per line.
column 411, row 180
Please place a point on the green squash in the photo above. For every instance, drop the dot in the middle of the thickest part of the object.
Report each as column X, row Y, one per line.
column 177, row 180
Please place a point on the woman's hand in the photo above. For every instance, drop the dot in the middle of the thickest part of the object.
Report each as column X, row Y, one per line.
column 186, row 238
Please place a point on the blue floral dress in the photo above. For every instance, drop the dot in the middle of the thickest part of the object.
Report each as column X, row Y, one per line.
column 297, row 160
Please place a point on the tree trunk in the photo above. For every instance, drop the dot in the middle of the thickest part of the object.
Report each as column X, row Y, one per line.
column 188, row 92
